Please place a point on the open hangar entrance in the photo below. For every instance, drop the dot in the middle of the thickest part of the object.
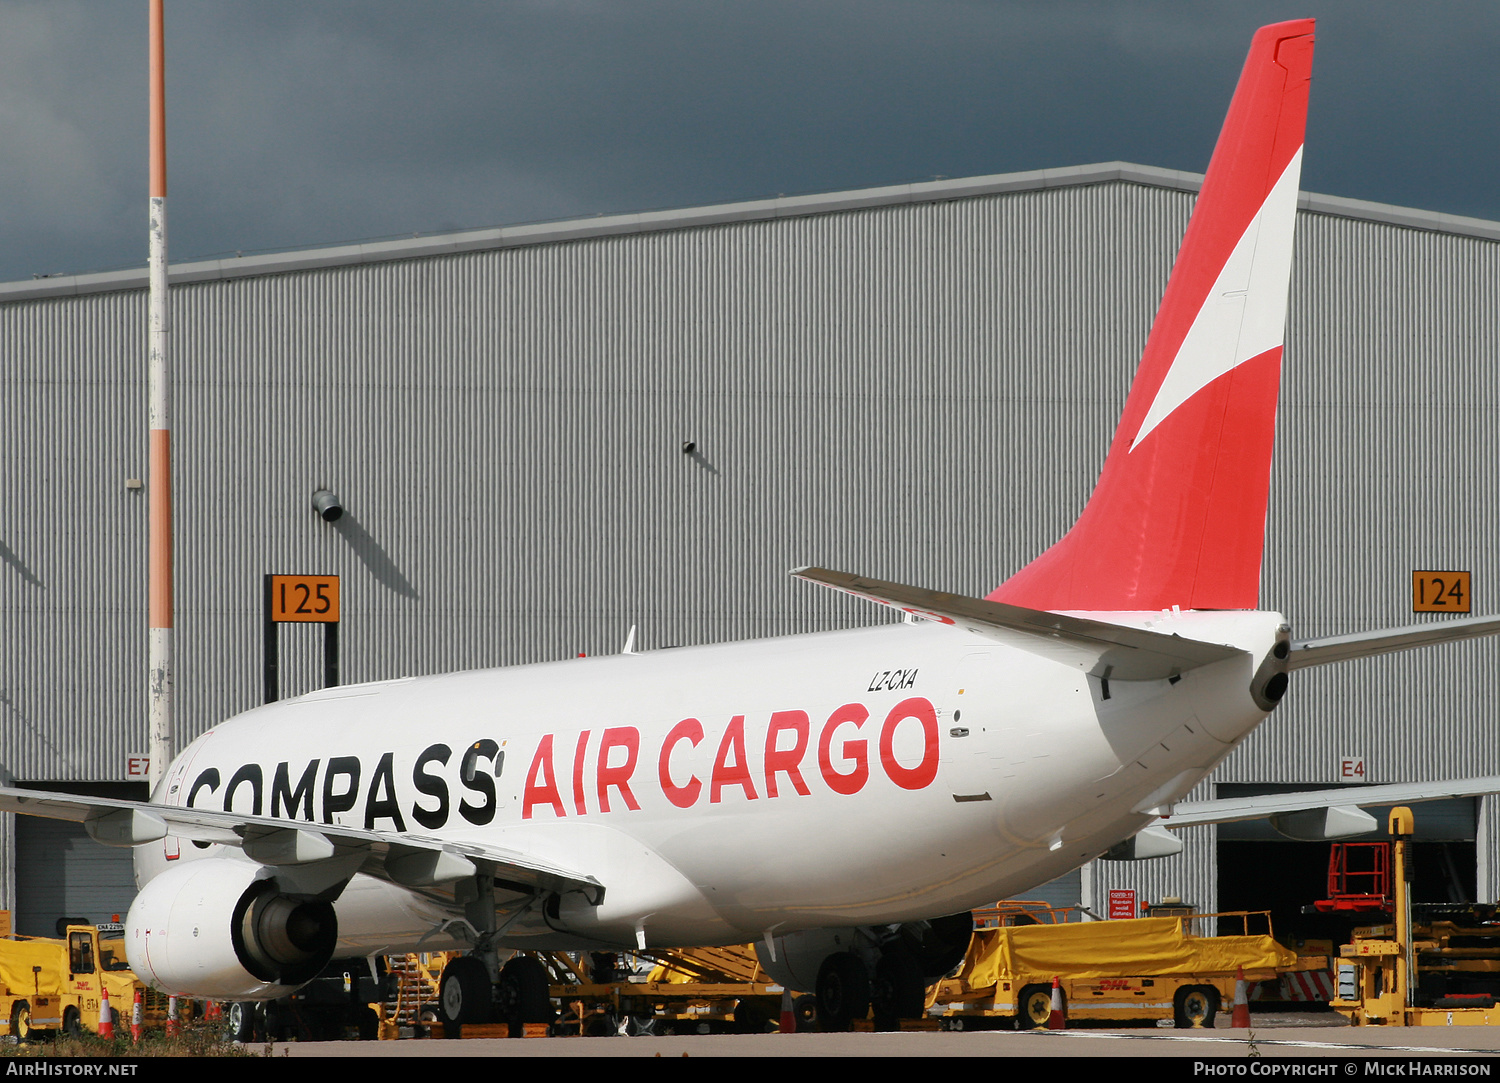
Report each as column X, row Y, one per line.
column 1259, row 869
column 65, row 875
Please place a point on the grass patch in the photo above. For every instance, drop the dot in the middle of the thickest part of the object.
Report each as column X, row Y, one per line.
column 194, row 1041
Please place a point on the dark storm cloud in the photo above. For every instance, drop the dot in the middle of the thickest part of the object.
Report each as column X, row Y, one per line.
column 295, row 124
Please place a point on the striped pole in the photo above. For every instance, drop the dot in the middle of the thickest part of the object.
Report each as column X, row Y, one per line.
column 159, row 486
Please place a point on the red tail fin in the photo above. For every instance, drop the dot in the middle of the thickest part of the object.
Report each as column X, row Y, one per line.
column 1178, row 516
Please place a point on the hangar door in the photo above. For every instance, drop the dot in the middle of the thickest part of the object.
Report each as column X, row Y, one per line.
column 1261, row 870
column 61, row 872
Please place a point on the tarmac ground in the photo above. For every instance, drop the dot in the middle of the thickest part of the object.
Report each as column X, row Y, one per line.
column 1274, row 1036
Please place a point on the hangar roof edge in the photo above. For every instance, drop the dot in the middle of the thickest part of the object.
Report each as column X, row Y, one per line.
column 752, row 210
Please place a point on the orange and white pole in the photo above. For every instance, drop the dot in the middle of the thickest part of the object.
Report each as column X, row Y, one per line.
column 159, row 485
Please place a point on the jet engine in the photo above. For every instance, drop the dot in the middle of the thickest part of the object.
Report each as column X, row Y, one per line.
column 224, row 929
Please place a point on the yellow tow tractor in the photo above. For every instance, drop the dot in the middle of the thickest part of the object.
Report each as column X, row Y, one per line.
column 52, row 985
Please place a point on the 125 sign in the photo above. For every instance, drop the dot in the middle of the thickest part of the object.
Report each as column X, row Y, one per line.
column 313, row 598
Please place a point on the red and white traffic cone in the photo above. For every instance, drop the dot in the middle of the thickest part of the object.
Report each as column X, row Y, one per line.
column 172, row 1016
column 135, row 1018
column 1241, row 1016
column 788, row 1017
column 106, row 1017
column 1057, row 1019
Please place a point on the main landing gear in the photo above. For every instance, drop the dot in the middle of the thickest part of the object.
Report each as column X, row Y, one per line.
column 466, row 994
column 889, row 972
column 475, row 988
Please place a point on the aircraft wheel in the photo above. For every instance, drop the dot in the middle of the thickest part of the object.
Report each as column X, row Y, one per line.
column 843, row 990
column 898, row 991
column 368, row 1023
column 525, row 992
column 1195, row 1006
column 244, row 1022
column 1033, row 1007
column 277, row 1024
column 805, row 1011
column 464, row 994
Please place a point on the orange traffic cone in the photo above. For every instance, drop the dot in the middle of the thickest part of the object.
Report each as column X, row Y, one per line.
column 172, row 1016
column 135, row 1018
column 1057, row 1019
column 788, row 1017
column 1241, row 1016
column 106, row 1017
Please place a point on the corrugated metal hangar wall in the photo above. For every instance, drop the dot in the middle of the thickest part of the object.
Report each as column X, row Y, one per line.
column 916, row 383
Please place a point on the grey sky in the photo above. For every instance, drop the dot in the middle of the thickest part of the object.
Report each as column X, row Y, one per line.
column 294, row 123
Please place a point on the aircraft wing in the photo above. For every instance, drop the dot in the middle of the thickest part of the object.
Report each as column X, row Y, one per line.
column 1105, row 650
column 1315, row 815
column 410, row 860
column 1316, row 652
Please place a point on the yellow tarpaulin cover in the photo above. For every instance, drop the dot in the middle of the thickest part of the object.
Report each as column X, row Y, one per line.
column 1113, row 949
column 668, row 974
column 17, row 957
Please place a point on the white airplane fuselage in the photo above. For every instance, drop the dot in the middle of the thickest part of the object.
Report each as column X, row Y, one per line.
column 849, row 778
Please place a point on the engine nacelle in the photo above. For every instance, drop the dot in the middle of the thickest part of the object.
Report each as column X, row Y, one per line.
column 223, row 929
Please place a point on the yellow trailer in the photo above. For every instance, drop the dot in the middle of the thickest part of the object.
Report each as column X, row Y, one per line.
column 1130, row 970
column 689, row 991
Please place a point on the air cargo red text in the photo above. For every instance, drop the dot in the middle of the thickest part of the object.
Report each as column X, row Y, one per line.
column 796, row 754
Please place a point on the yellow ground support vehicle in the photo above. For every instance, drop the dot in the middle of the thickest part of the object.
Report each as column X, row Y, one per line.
column 56, row 985
column 1432, row 965
column 1132, row 970
column 698, row 990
